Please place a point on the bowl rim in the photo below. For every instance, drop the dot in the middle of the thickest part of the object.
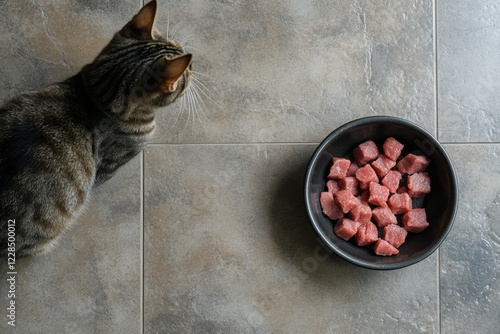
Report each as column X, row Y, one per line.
column 329, row 243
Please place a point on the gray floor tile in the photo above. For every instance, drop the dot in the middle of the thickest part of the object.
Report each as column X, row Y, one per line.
column 227, row 244
column 228, row 249
column 468, row 70
column 91, row 282
column 470, row 257
column 293, row 71
column 45, row 41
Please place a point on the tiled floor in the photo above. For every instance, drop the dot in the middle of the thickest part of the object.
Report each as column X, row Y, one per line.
column 205, row 232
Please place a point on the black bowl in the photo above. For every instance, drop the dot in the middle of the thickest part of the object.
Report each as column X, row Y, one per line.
column 440, row 205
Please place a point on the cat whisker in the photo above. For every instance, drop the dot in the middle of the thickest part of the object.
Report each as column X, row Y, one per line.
column 193, row 103
column 190, row 48
column 189, row 108
column 175, row 29
column 203, row 89
column 187, row 39
column 197, row 108
column 168, row 25
column 181, row 110
column 200, row 73
column 200, row 103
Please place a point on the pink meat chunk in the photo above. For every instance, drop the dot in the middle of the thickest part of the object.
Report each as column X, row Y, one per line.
column 378, row 194
column 394, row 234
column 339, row 168
column 346, row 200
column 361, row 213
column 364, row 196
column 412, row 164
column 383, row 216
column 401, row 190
column 332, row 186
column 415, row 220
column 419, row 184
column 367, row 234
column 350, row 183
column 383, row 165
column 330, row 209
column 400, row 203
column 391, row 180
column 384, row 248
column 366, row 152
column 365, row 175
column 346, row 228
column 392, row 148
column 352, row 169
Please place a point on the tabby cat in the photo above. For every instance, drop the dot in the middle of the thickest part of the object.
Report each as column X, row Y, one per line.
column 56, row 144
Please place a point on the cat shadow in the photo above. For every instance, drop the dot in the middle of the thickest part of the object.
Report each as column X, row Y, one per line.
column 291, row 228
column 298, row 244
column 290, row 225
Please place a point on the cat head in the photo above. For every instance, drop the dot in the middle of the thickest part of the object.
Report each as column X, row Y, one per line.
column 139, row 67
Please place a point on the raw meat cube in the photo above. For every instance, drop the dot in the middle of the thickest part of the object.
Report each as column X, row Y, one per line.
column 412, row 164
column 352, row 169
column 346, row 200
column 366, row 152
column 365, row 175
column 391, row 180
column 392, row 148
column 400, row 203
column 350, row 183
column 330, row 209
column 367, row 234
column 384, row 248
column 382, row 165
column 383, row 216
column 361, row 213
column 394, row 234
column 332, row 186
column 378, row 194
column 401, row 190
column 346, row 228
column 419, row 184
column 364, row 196
column 339, row 168
column 415, row 220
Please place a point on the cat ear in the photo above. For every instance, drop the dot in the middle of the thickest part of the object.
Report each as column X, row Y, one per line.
column 144, row 20
column 171, row 70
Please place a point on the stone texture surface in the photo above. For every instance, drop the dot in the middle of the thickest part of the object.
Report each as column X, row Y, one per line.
column 227, row 246
column 469, row 70
column 228, row 249
column 91, row 282
column 470, row 258
column 45, row 41
column 292, row 71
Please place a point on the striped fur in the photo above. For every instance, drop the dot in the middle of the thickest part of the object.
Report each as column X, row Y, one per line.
column 60, row 142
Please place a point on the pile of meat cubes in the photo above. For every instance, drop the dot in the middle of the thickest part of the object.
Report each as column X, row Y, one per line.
column 370, row 198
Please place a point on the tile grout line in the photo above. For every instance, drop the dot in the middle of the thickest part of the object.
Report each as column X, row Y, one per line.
column 436, row 108
column 142, row 241
column 471, row 143
column 436, row 84
column 298, row 143
column 141, row 4
column 234, row 144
